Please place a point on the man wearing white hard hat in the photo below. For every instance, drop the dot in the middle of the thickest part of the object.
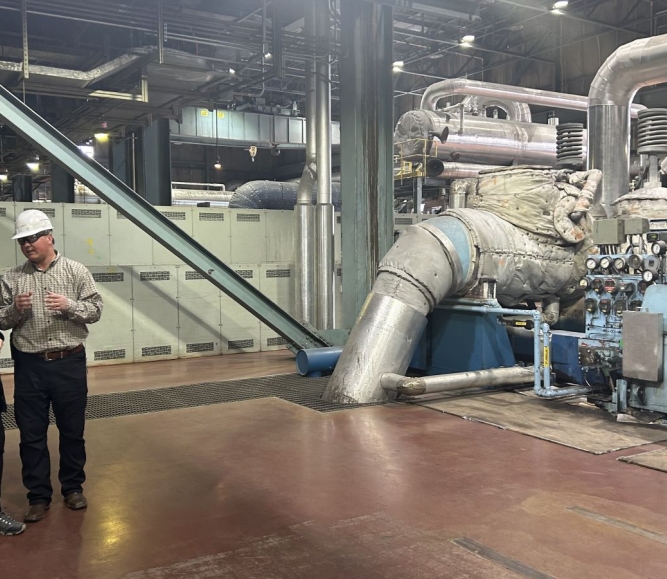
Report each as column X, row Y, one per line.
column 47, row 302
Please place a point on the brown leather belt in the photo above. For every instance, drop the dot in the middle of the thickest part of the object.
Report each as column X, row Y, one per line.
column 50, row 356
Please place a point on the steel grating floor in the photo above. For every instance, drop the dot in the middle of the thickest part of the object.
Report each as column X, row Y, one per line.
column 290, row 387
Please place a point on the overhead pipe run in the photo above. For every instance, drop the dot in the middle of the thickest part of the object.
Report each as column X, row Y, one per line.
column 505, row 93
column 635, row 65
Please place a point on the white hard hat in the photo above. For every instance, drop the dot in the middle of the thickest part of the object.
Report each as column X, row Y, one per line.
column 31, row 221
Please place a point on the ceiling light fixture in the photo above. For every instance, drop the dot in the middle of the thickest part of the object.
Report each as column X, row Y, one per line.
column 4, row 175
column 101, row 132
column 33, row 165
column 398, row 64
column 467, row 38
column 218, row 164
column 267, row 55
column 560, row 4
column 232, row 71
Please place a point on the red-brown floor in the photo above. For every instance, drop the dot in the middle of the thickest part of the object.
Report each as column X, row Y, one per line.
column 266, row 489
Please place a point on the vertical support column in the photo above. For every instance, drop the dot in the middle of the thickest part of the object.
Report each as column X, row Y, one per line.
column 304, row 210
column 417, row 196
column 367, row 125
column 121, row 161
column 324, row 214
column 22, row 188
column 154, row 164
column 62, row 185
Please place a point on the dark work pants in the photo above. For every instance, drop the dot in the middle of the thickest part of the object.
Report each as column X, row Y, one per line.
column 61, row 383
column 2, row 451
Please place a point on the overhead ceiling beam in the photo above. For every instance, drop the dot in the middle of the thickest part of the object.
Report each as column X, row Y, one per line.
column 459, row 9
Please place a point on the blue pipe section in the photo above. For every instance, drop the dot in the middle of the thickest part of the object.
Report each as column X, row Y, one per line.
column 316, row 362
column 459, row 236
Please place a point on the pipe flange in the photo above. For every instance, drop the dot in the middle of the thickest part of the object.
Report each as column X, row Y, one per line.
column 450, row 252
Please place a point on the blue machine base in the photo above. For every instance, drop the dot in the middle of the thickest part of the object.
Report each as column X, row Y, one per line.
column 462, row 342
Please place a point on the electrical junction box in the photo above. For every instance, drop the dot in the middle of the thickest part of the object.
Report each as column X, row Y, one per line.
column 608, row 232
column 643, row 346
column 636, row 226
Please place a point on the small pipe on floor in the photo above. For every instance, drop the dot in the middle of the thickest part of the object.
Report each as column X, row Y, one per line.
column 457, row 381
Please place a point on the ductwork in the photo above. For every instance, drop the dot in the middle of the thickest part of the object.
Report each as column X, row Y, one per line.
column 79, row 78
column 504, row 93
column 274, row 195
column 196, row 196
column 530, row 247
column 635, row 65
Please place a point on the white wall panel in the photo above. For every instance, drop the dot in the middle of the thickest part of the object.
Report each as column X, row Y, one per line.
column 111, row 340
column 280, row 235
column 248, row 235
column 8, row 247
column 276, row 282
column 155, row 312
column 211, row 228
column 198, row 315
column 239, row 328
column 129, row 244
column 86, row 233
column 180, row 216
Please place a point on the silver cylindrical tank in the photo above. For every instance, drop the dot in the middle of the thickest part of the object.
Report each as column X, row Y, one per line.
column 478, row 140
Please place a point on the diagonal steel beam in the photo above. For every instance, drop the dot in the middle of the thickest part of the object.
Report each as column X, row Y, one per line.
column 45, row 137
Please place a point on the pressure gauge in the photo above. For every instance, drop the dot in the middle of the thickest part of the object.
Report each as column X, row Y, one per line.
column 628, row 288
column 648, row 276
column 605, row 307
column 584, row 284
column 591, row 305
column 591, row 263
column 620, row 306
column 635, row 305
column 641, row 287
column 605, row 262
column 620, row 264
column 597, row 285
column 635, row 261
column 659, row 248
column 611, row 285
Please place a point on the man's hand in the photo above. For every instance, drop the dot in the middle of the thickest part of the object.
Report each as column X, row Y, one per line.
column 23, row 302
column 56, row 302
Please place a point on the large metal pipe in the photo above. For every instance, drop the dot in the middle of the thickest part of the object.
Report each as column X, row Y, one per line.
column 640, row 63
column 273, row 195
column 503, row 92
column 324, row 209
column 305, row 211
column 515, row 111
column 476, row 140
column 441, row 257
column 457, row 381
column 437, row 169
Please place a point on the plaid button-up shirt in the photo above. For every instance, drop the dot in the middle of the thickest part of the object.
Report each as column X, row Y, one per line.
column 37, row 329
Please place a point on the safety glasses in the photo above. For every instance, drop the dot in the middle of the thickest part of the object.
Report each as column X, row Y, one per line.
column 32, row 238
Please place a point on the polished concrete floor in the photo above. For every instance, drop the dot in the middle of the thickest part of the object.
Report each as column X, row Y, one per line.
column 267, row 489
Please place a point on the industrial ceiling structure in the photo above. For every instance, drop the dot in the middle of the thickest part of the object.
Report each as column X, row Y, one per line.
column 118, row 65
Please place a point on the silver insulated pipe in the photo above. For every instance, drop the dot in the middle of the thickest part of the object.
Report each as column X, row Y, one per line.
column 304, row 209
column 635, row 65
column 501, row 93
column 324, row 213
column 471, row 139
